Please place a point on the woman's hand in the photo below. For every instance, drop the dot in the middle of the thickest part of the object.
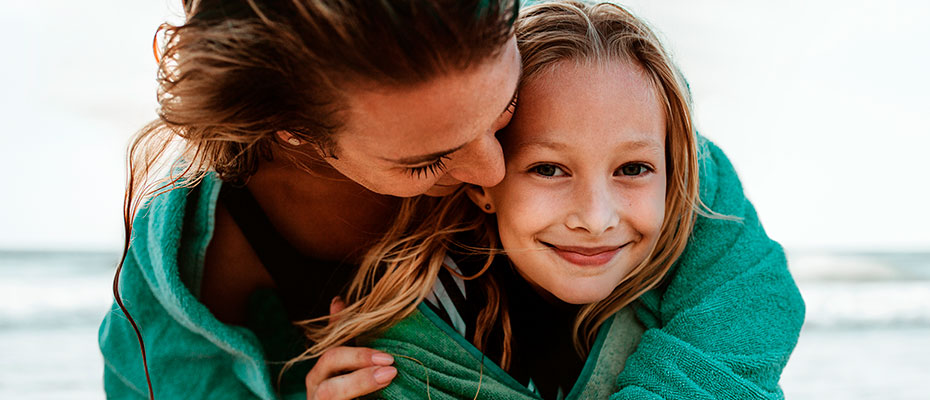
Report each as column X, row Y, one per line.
column 345, row 372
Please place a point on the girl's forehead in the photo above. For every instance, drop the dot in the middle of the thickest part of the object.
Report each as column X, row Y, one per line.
column 585, row 101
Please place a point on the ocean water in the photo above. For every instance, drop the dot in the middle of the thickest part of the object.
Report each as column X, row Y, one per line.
column 866, row 336
column 50, row 307
column 867, row 329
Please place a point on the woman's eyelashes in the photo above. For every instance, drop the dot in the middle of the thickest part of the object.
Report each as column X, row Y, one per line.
column 513, row 104
column 432, row 169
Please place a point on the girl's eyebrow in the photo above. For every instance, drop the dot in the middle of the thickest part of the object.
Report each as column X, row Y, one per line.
column 542, row 143
column 642, row 144
column 626, row 145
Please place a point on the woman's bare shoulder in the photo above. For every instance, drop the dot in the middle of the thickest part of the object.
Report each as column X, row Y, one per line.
column 231, row 272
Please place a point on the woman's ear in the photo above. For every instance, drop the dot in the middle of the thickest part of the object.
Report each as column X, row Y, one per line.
column 481, row 198
column 289, row 138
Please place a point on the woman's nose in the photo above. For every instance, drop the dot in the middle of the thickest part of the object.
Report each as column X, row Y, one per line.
column 595, row 208
column 481, row 162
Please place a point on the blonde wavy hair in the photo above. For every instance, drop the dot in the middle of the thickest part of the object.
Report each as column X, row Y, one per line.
column 399, row 272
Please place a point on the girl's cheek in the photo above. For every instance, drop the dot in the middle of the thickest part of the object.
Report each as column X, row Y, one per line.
column 530, row 195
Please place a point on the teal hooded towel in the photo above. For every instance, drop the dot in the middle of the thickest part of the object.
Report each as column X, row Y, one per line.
column 721, row 326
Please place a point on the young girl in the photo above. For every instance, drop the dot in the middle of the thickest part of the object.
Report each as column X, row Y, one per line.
column 598, row 201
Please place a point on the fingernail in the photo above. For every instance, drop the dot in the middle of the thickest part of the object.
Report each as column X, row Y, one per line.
column 385, row 374
column 382, row 359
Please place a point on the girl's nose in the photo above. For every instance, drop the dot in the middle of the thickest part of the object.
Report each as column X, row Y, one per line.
column 594, row 208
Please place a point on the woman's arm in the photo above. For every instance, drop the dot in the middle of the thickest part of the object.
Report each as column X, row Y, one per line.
column 729, row 315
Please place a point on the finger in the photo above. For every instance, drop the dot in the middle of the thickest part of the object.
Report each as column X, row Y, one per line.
column 355, row 384
column 343, row 358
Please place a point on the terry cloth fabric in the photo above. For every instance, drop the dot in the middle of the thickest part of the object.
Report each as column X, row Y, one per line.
column 722, row 327
column 455, row 369
column 191, row 354
column 729, row 314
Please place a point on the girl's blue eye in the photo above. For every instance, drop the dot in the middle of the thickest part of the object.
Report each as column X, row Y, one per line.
column 633, row 169
column 548, row 170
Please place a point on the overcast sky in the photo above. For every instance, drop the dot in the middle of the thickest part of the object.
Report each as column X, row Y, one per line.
column 821, row 105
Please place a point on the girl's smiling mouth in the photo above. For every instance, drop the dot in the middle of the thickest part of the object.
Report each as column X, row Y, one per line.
column 585, row 256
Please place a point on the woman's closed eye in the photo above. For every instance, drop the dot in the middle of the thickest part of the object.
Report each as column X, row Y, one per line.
column 432, row 169
column 513, row 104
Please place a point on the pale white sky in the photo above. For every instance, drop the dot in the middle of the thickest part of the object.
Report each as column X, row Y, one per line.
column 821, row 105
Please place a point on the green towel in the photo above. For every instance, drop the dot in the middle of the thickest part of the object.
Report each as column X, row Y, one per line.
column 722, row 327
column 191, row 354
column 456, row 366
column 728, row 317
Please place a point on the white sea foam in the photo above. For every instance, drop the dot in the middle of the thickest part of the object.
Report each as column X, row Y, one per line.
column 866, row 304
column 863, row 290
column 849, row 266
column 53, row 290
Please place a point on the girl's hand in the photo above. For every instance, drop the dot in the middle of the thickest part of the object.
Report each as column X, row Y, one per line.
column 345, row 372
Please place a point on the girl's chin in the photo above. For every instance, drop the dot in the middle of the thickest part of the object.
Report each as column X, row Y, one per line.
column 578, row 295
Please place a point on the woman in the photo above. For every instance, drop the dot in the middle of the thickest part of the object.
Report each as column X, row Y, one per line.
column 374, row 100
column 320, row 112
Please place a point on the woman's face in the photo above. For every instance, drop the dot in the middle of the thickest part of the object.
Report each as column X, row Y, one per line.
column 432, row 137
column 583, row 199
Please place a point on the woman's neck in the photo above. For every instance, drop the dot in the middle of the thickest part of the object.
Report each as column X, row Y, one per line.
column 322, row 214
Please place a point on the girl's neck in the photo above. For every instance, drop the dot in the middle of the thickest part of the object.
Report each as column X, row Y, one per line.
column 322, row 214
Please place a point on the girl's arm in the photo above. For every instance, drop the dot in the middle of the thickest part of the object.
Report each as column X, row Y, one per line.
column 726, row 320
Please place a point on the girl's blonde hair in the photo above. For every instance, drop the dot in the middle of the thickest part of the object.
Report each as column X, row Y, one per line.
column 400, row 271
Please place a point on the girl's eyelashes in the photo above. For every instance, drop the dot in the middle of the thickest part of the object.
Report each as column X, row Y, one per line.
column 432, row 169
column 552, row 171
column 548, row 170
column 633, row 169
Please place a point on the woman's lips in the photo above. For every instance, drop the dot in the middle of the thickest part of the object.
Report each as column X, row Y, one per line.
column 586, row 256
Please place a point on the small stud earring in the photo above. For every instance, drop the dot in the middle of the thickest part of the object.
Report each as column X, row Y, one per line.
column 293, row 141
column 487, row 206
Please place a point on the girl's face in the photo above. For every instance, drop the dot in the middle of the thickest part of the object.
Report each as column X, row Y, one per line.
column 431, row 137
column 583, row 198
